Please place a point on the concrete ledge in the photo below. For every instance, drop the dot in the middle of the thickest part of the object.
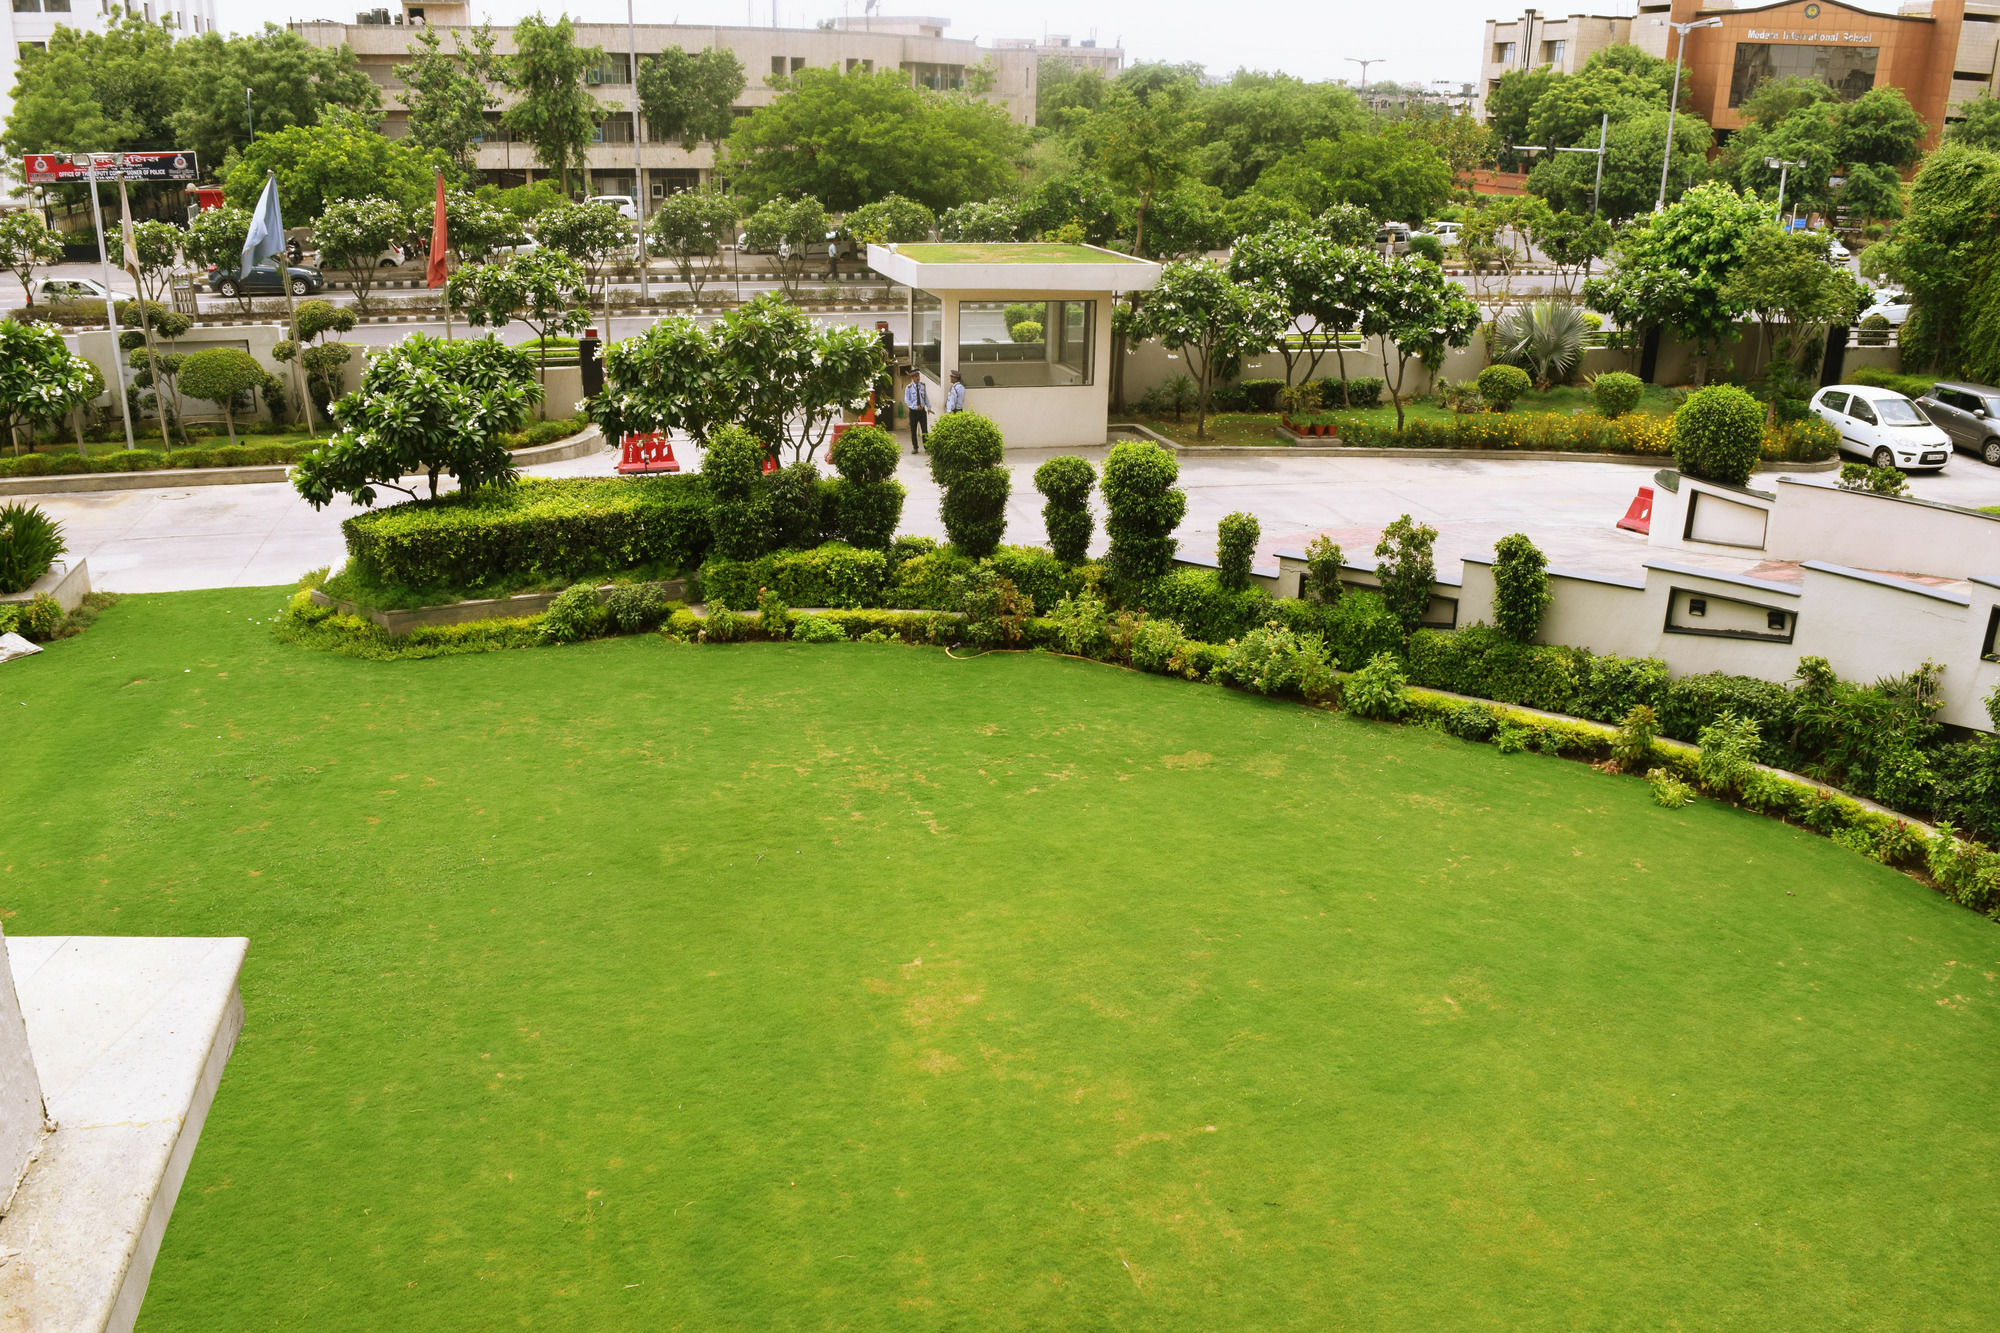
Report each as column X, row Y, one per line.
column 67, row 581
column 130, row 1037
column 519, row 606
column 587, row 441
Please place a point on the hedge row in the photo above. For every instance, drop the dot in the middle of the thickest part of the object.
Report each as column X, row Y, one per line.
column 915, row 573
column 1807, row 441
column 553, row 529
column 145, row 460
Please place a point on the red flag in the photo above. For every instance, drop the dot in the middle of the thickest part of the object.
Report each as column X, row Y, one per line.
column 439, row 241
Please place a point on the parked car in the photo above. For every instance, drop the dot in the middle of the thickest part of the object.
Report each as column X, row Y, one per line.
column 1969, row 413
column 263, row 280
column 1444, row 231
column 1837, row 252
column 1883, row 427
column 1394, row 235
column 55, row 291
column 627, row 207
column 1893, row 306
column 814, row 249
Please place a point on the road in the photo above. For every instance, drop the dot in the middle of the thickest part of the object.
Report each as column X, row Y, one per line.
column 233, row 536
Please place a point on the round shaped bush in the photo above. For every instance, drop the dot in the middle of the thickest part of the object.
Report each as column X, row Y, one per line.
column 963, row 442
column 1143, row 508
column 731, row 462
column 1874, row 331
column 1616, row 393
column 1027, row 331
column 867, row 512
column 1501, row 385
column 974, row 510
column 1717, row 434
column 866, row 454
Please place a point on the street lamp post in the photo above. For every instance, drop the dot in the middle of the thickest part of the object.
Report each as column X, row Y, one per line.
column 1784, row 166
column 1674, row 103
column 1375, row 60
column 1603, row 132
column 638, row 169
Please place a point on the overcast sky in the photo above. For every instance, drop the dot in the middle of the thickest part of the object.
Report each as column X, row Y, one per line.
column 1416, row 40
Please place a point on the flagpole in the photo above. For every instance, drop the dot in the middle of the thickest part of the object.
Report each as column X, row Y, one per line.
column 110, row 301
column 292, row 318
column 131, row 265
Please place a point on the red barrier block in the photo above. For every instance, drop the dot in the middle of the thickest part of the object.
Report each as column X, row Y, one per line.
column 1639, row 517
column 648, row 452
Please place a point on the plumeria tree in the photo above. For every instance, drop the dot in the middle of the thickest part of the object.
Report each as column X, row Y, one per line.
column 1420, row 314
column 595, row 236
column 427, row 407
column 1196, row 310
column 786, row 227
column 891, row 218
column 353, row 233
column 1323, row 288
column 692, row 225
column 543, row 290
column 40, row 378
column 27, row 246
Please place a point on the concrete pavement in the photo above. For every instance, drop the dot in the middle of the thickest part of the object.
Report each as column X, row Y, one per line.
column 231, row 536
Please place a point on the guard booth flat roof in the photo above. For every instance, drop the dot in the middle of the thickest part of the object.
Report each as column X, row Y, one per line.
column 1013, row 267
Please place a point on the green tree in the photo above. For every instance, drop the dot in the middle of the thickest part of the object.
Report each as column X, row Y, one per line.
column 220, row 375
column 690, row 97
column 1787, row 283
column 1195, row 309
column 1980, row 127
column 1393, row 174
column 595, row 236
column 1188, row 220
column 290, row 81
column 344, row 156
column 1083, row 200
column 448, row 95
column 553, row 111
column 96, row 91
column 1511, row 103
column 1520, row 587
column 1324, row 290
column 353, row 233
column 1143, row 138
column 668, row 378
column 789, row 374
column 785, row 228
column 1065, row 95
column 1420, row 314
column 890, row 220
column 1255, row 119
column 215, row 238
column 1572, row 242
column 1685, row 258
column 475, row 227
column 40, row 378
column 1951, row 256
column 1142, row 507
column 1406, row 570
column 1631, row 165
column 158, row 246
column 544, row 290
column 690, row 226
column 993, row 220
column 27, row 246
column 321, row 361
column 1619, row 81
column 851, row 138
column 426, row 407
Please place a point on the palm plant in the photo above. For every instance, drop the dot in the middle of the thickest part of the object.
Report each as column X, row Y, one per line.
column 1546, row 338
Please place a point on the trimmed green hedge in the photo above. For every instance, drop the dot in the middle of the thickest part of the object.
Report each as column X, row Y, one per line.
column 833, row 575
column 556, row 529
column 110, row 459
column 1585, row 432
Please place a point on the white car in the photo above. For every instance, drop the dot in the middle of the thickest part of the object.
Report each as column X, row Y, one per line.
column 627, row 207
column 1837, row 252
column 54, row 291
column 1445, row 231
column 1883, row 427
column 1891, row 305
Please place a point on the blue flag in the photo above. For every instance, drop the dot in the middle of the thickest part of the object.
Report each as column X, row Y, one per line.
column 267, row 229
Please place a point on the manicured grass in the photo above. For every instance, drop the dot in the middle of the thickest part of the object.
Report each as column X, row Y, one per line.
column 1025, row 252
column 639, row 986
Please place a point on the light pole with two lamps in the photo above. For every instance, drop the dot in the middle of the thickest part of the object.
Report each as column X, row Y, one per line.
column 1674, row 104
column 1783, row 166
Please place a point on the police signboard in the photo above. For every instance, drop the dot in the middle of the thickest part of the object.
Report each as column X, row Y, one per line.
column 64, row 168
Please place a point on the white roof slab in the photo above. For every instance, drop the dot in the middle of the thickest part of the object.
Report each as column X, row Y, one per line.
column 129, row 1036
column 1014, row 268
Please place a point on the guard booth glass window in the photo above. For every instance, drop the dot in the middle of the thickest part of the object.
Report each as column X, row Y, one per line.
column 1848, row 70
column 1026, row 344
column 927, row 333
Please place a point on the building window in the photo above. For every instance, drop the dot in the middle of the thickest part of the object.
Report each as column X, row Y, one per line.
column 1848, row 70
column 937, row 78
column 1990, row 650
column 777, row 67
column 1552, row 52
column 927, row 333
column 617, row 128
column 1025, row 344
column 615, row 69
column 1503, row 53
column 56, row 6
column 865, row 66
column 27, row 6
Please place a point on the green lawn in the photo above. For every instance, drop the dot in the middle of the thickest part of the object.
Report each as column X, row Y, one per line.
column 1009, row 252
column 639, row 986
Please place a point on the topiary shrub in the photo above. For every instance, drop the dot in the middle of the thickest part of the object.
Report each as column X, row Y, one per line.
column 1718, row 433
column 1406, row 569
column 1615, row 393
column 732, row 464
column 1066, row 484
column 1874, row 331
column 965, row 455
column 1520, row 587
column 867, row 499
column 792, row 497
column 30, row 541
column 1027, row 331
column 1235, row 544
column 1501, row 385
column 1143, row 508
column 1378, row 690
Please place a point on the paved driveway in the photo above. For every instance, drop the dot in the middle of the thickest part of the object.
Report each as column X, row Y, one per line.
column 224, row 536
